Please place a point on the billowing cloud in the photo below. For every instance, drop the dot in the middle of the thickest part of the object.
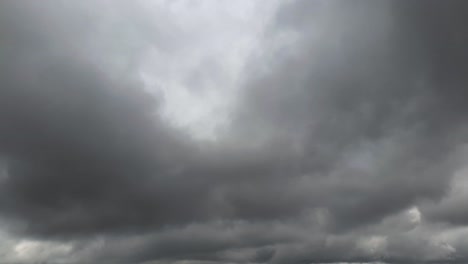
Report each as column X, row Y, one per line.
column 321, row 131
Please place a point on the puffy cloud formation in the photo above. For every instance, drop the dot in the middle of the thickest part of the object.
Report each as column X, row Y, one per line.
column 300, row 131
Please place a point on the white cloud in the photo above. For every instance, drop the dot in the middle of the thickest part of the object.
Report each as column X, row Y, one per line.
column 31, row 250
column 200, row 77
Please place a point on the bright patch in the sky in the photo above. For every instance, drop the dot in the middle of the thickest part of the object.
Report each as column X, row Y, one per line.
column 29, row 250
column 414, row 215
column 199, row 75
column 373, row 245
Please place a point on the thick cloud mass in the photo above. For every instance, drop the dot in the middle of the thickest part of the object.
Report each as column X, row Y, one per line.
column 345, row 140
column 75, row 142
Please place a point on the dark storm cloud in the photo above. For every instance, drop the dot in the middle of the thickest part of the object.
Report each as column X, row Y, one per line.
column 357, row 119
column 376, row 116
column 85, row 150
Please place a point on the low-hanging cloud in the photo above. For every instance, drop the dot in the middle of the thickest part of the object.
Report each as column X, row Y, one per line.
column 346, row 130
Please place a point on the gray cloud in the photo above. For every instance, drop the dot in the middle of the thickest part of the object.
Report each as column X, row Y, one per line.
column 345, row 134
column 84, row 150
column 362, row 106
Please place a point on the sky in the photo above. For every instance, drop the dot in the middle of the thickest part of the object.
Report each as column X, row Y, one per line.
column 216, row 131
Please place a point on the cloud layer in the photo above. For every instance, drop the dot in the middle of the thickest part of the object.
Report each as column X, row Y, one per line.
column 321, row 131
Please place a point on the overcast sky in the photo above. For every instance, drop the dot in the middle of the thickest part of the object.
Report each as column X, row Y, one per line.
column 222, row 131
